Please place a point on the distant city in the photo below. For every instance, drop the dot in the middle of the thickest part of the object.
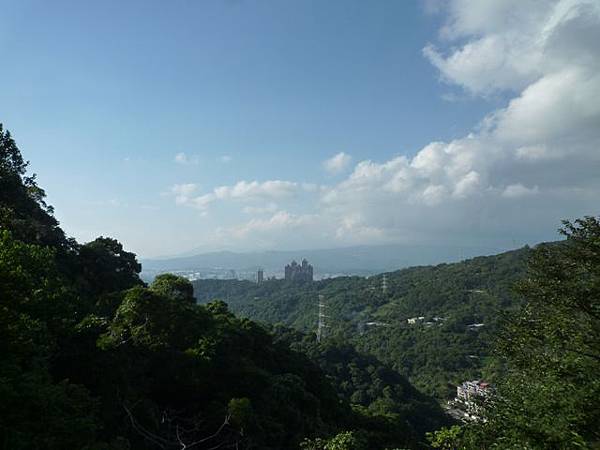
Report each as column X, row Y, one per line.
column 303, row 272
column 327, row 263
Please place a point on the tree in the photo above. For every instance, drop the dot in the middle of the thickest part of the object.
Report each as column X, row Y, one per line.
column 551, row 349
column 23, row 209
column 174, row 286
column 149, row 319
column 346, row 440
column 106, row 267
column 91, row 358
column 37, row 411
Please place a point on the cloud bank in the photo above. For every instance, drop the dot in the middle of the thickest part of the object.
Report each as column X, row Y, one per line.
column 186, row 194
column 523, row 167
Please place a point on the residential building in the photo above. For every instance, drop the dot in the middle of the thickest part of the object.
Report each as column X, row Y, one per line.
column 299, row 272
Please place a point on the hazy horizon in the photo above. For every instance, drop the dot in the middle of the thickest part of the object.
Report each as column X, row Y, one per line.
column 300, row 250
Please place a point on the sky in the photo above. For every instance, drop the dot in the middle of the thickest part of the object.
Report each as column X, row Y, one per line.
column 195, row 126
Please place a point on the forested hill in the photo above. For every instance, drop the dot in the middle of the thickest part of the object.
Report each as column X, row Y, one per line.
column 93, row 358
column 459, row 304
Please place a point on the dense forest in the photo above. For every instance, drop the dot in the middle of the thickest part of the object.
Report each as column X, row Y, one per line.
column 436, row 352
column 527, row 320
column 93, row 358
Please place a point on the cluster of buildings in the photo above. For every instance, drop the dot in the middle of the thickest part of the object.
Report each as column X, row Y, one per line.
column 299, row 272
column 421, row 319
column 470, row 396
column 293, row 272
column 469, row 390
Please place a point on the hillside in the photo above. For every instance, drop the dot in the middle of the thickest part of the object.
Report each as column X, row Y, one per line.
column 434, row 352
column 94, row 358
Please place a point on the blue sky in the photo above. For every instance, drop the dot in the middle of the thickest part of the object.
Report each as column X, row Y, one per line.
column 141, row 118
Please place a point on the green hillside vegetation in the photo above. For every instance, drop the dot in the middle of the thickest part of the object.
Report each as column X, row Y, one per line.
column 436, row 352
column 548, row 396
column 374, row 389
column 93, row 358
column 539, row 342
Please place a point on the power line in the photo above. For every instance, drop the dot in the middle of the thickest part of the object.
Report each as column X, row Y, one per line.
column 321, row 322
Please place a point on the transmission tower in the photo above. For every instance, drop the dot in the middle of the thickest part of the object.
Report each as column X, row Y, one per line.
column 321, row 324
column 384, row 284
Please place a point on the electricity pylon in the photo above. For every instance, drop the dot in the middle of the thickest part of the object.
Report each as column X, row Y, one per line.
column 321, row 323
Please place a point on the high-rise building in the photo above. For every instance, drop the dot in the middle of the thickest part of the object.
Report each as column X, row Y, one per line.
column 231, row 275
column 299, row 272
column 260, row 276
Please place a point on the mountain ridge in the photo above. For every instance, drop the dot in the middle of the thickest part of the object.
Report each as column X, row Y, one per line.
column 355, row 260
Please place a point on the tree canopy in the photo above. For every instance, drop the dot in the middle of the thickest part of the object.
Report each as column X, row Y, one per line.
column 550, row 347
column 93, row 358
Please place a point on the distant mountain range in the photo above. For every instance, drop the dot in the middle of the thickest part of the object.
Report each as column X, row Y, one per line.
column 359, row 260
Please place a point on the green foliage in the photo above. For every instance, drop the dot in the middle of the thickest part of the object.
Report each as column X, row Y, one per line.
column 159, row 355
column 241, row 411
column 378, row 390
column 551, row 346
column 22, row 206
column 346, row 440
column 91, row 358
column 147, row 318
column 107, row 267
column 446, row 438
column 434, row 356
column 37, row 411
column 174, row 286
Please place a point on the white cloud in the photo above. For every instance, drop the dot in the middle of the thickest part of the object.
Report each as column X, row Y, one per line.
column 268, row 208
column 532, row 152
column 353, row 227
column 185, row 160
column 468, row 185
column 310, row 187
column 518, row 190
column 247, row 189
column 528, row 164
column 522, row 169
column 184, row 189
column 183, row 192
column 225, row 159
column 280, row 221
column 511, row 43
column 241, row 191
column 337, row 163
